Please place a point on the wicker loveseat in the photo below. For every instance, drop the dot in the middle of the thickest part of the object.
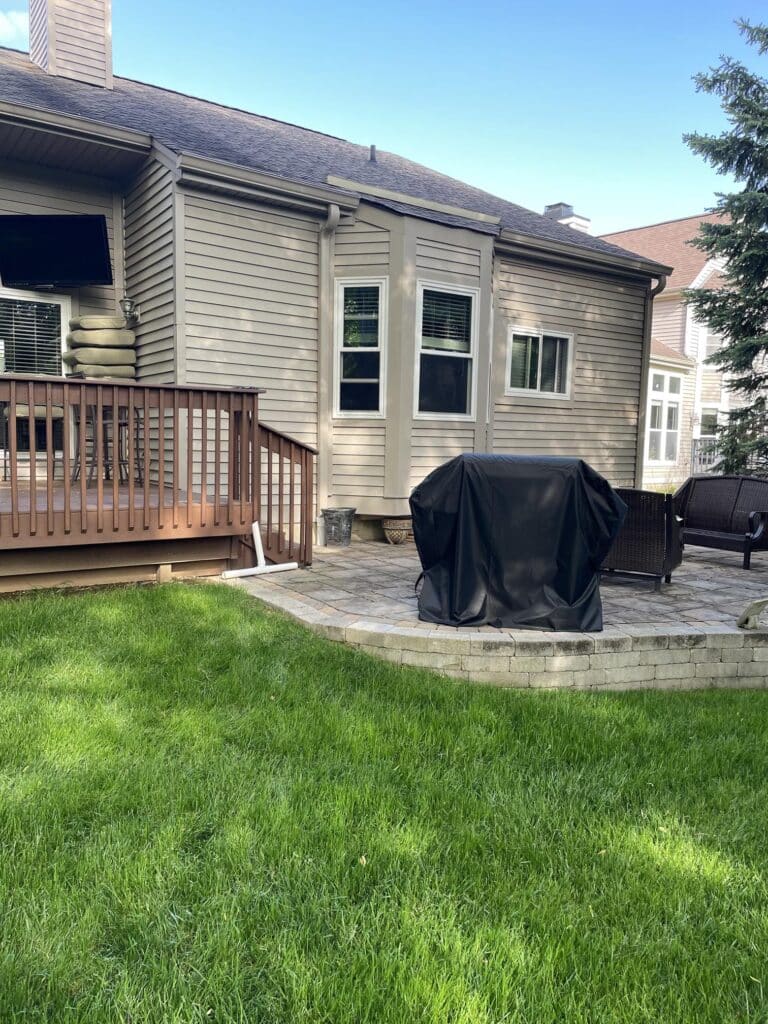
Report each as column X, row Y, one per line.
column 649, row 543
column 729, row 513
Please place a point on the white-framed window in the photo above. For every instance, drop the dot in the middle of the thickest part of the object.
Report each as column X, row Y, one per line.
column 538, row 362
column 33, row 330
column 360, row 346
column 446, row 343
column 710, row 416
column 664, row 400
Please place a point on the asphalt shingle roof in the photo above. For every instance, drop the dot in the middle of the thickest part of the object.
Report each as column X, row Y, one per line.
column 670, row 243
column 206, row 129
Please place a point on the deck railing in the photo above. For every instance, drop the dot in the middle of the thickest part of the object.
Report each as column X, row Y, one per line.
column 704, row 455
column 89, row 462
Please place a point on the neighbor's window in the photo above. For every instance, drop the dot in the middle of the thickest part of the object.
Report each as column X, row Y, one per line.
column 445, row 351
column 360, row 311
column 664, row 417
column 30, row 336
column 708, row 426
column 538, row 362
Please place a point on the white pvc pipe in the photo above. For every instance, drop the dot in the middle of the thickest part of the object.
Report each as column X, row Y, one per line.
column 261, row 568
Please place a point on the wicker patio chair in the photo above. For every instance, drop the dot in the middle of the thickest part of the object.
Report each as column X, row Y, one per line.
column 649, row 543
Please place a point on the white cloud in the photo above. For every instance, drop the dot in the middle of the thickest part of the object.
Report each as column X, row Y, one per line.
column 14, row 28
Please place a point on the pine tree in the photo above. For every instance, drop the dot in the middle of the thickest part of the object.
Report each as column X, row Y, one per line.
column 738, row 311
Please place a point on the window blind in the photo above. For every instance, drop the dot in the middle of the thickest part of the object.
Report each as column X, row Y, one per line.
column 446, row 322
column 30, row 337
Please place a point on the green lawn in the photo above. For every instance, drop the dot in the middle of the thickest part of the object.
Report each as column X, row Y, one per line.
column 207, row 814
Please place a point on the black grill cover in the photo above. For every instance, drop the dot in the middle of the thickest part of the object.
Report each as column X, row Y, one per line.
column 516, row 541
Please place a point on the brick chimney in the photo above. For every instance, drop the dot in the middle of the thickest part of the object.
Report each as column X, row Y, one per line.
column 563, row 214
column 72, row 39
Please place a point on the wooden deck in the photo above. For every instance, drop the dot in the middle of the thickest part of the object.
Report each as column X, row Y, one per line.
column 127, row 463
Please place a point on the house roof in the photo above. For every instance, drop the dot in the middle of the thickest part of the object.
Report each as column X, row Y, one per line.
column 666, row 354
column 185, row 124
column 669, row 242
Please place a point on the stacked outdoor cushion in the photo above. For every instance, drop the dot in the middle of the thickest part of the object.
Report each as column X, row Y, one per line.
column 101, row 346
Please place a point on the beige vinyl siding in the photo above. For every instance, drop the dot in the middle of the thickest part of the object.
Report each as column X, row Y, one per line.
column 149, row 269
column 77, row 40
column 358, row 461
column 669, row 323
column 358, row 446
column 27, row 190
column 38, row 32
column 436, row 257
column 599, row 421
column 251, row 306
column 436, row 443
column 671, row 476
column 361, row 250
column 711, row 387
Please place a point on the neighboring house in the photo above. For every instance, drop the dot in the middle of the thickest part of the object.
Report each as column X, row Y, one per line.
column 394, row 316
column 686, row 397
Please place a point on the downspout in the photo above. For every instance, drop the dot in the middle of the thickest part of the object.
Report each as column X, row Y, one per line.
column 325, row 360
column 650, row 295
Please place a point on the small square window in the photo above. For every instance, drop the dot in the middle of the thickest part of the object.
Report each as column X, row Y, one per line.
column 538, row 362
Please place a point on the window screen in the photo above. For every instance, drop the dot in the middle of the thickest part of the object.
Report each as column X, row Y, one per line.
column 539, row 362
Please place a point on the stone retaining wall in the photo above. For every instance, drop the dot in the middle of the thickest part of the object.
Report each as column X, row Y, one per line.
column 617, row 659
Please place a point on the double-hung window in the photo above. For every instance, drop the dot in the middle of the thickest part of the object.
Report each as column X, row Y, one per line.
column 360, row 337
column 446, row 325
column 664, row 417
column 538, row 361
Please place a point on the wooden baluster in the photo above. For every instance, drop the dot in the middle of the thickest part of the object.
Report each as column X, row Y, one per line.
column 175, row 469
column 231, row 462
column 309, row 506
column 99, row 458
column 84, row 468
column 13, row 458
column 269, row 488
column 253, row 440
column 190, row 453
column 161, row 457
column 32, row 459
column 132, row 460
column 49, row 459
column 66, row 461
column 147, row 460
column 280, row 494
column 217, row 460
column 203, row 457
column 115, row 459
column 292, row 503
column 244, row 462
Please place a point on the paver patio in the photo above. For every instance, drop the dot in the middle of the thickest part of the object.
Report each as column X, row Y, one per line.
column 684, row 636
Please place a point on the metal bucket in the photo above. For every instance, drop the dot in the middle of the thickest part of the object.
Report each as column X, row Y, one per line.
column 338, row 526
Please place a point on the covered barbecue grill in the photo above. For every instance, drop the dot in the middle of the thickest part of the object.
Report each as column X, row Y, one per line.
column 514, row 541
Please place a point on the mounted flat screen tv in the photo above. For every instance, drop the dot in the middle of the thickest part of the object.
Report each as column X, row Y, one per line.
column 52, row 251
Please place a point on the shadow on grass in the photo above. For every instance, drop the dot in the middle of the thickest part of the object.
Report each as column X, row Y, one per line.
column 258, row 818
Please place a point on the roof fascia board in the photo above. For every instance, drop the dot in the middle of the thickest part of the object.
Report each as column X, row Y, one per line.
column 515, row 244
column 74, row 127
column 218, row 175
column 409, row 200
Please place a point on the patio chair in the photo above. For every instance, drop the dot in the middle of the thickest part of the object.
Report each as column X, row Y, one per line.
column 649, row 544
column 728, row 513
column 22, row 424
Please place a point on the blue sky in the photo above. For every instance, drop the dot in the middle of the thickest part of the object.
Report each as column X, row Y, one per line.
column 583, row 102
